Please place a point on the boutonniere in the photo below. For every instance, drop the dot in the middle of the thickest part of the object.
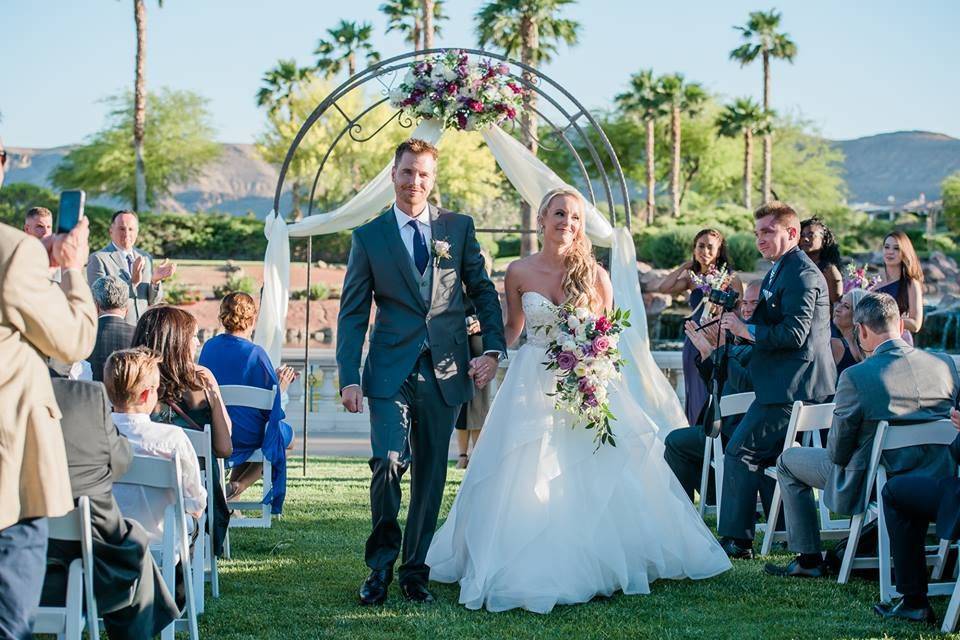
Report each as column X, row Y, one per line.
column 441, row 251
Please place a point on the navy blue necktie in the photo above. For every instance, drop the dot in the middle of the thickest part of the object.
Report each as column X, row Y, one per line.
column 129, row 264
column 420, row 254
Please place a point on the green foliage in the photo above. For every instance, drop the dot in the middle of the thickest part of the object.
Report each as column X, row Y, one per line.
column 665, row 247
column 235, row 282
column 742, row 251
column 950, row 187
column 175, row 292
column 499, row 23
column 807, row 169
column 406, row 17
column 347, row 41
column 318, row 291
column 178, row 143
column 467, row 175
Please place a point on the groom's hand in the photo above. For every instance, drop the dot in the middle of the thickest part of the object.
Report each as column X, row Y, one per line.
column 482, row 370
column 351, row 398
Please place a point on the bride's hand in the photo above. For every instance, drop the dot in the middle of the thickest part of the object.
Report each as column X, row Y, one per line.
column 482, row 370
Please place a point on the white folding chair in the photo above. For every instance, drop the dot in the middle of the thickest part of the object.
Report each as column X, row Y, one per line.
column 204, row 557
column 236, row 395
column 69, row 620
column 953, row 611
column 888, row 438
column 730, row 405
column 159, row 473
column 807, row 420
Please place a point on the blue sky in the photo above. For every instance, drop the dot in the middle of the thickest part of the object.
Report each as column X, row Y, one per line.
column 862, row 68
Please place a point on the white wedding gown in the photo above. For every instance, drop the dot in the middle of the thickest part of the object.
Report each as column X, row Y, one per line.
column 540, row 519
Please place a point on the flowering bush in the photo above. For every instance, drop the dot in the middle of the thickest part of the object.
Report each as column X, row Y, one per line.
column 857, row 278
column 585, row 356
column 462, row 94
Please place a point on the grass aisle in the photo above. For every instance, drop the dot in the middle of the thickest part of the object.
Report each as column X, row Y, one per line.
column 299, row 579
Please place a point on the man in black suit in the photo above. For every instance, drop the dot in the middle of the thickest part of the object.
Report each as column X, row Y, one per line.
column 791, row 361
column 110, row 294
column 910, row 503
column 131, row 595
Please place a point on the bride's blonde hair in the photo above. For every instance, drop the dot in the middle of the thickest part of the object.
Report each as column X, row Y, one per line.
column 580, row 275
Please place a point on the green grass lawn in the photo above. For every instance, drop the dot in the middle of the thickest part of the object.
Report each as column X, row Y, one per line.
column 300, row 578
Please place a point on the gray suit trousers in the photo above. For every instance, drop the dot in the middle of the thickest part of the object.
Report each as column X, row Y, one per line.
column 799, row 471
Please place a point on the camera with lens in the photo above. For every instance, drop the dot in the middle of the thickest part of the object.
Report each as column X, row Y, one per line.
column 725, row 299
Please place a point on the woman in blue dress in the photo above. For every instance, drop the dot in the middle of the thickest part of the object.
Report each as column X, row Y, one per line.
column 709, row 252
column 235, row 360
column 902, row 278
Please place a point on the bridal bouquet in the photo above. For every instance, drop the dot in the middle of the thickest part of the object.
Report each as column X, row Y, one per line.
column 584, row 354
column 460, row 93
column 857, row 278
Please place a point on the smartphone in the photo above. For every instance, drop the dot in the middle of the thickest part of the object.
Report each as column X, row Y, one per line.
column 71, row 209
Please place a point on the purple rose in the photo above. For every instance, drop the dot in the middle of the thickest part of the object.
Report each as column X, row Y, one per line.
column 585, row 387
column 566, row 360
column 601, row 344
column 591, row 401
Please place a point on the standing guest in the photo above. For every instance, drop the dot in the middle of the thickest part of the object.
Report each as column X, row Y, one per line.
column 38, row 319
column 895, row 383
column 791, row 361
column 38, row 222
column 846, row 353
column 818, row 243
column 189, row 396
column 110, row 294
column 233, row 358
column 122, row 259
column 709, row 253
column 902, row 278
column 131, row 594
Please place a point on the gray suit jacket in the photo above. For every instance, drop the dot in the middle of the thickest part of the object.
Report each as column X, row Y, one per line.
column 791, row 358
column 899, row 384
column 109, row 261
column 379, row 271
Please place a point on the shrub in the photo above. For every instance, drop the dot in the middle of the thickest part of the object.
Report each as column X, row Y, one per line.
column 318, row 291
column 508, row 246
column 175, row 292
column 665, row 248
column 742, row 249
column 243, row 283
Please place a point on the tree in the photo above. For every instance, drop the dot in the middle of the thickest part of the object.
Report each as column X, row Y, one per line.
column 179, row 143
column 347, row 41
column 950, row 187
column 646, row 101
column 683, row 98
column 744, row 117
column 762, row 39
column 408, row 17
column 532, row 30
column 140, row 102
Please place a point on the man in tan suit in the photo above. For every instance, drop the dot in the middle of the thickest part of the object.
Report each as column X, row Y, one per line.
column 38, row 319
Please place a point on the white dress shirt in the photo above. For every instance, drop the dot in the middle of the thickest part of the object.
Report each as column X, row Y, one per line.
column 406, row 233
column 146, row 504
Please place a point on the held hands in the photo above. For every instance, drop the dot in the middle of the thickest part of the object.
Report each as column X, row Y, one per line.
column 286, row 375
column 955, row 418
column 482, row 370
column 162, row 272
column 352, row 398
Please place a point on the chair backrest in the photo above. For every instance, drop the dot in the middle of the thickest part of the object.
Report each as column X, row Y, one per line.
column 238, row 395
column 201, row 441
column 77, row 526
column 736, row 403
column 897, row 436
column 149, row 471
column 808, row 417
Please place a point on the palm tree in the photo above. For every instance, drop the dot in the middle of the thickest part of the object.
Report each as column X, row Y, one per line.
column 646, row 100
column 762, row 39
column 408, row 17
column 530, row 29
column 140, row 103
column 747, row 118
column 682, row 98
column 347, row 41
column 280, row 85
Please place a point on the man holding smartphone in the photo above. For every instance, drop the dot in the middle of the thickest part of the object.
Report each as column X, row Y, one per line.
column 122, row 259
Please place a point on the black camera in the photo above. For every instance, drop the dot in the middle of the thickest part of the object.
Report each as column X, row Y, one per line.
column 725, row 299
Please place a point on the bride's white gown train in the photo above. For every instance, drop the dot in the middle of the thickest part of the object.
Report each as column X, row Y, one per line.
column 540, row 519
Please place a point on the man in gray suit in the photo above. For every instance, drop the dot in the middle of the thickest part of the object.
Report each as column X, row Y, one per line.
column 414, row 261
column 122, row 259
column 111, row 295
column 896, row 383
column 791, row 361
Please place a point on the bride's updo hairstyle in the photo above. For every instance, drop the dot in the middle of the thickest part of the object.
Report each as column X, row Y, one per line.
column 580, row 277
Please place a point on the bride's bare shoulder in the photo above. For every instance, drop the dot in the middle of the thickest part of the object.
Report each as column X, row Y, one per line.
column 521, row 267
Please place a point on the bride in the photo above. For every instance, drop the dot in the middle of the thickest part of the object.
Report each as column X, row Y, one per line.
column 541, row 519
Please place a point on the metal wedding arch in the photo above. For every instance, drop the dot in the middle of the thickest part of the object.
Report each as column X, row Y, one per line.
column 569, row 126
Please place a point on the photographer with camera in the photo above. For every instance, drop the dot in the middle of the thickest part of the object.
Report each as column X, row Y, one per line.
column 791, row 360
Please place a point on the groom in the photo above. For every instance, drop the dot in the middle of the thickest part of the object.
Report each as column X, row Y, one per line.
column 414, row 261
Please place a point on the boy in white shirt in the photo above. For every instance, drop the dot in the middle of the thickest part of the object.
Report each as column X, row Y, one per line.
column 132, row 377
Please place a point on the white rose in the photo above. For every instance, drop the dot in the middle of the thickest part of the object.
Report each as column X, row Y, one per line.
column 573, row 321
column 580, row 369
column 439, row 71
column 581, row 334
column 410, row 77
column 582, row 313
column 568, row 344
column 614, row 340
column 449, row 74
column 601, row 394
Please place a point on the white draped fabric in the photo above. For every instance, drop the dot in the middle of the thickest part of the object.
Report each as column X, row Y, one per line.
column 532, row 179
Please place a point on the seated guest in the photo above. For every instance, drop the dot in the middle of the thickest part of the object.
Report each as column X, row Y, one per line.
column 132, row 378
column 844, row 346
column 189, row 396
column 234, row 359
column 113, row 332
column 131, row 594
column 896, row 383
column 910, row 503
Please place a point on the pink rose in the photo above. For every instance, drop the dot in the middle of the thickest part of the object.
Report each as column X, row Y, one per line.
column 566, row 360
column 601, row 344
column 602, row 324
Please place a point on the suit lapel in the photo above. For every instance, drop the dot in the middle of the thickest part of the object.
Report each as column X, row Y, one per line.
column 391, row 235
column 438, row 231
column 118, row 258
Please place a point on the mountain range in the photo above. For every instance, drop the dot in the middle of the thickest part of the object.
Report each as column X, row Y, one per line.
column 902, row 165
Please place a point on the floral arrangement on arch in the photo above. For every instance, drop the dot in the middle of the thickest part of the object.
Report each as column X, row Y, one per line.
column 462, row 94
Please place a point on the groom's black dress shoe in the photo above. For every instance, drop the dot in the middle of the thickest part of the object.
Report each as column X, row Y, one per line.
column 900, row 611
column 735, row 551
column 374, row 588
column 795, row 570
column 416, row 592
